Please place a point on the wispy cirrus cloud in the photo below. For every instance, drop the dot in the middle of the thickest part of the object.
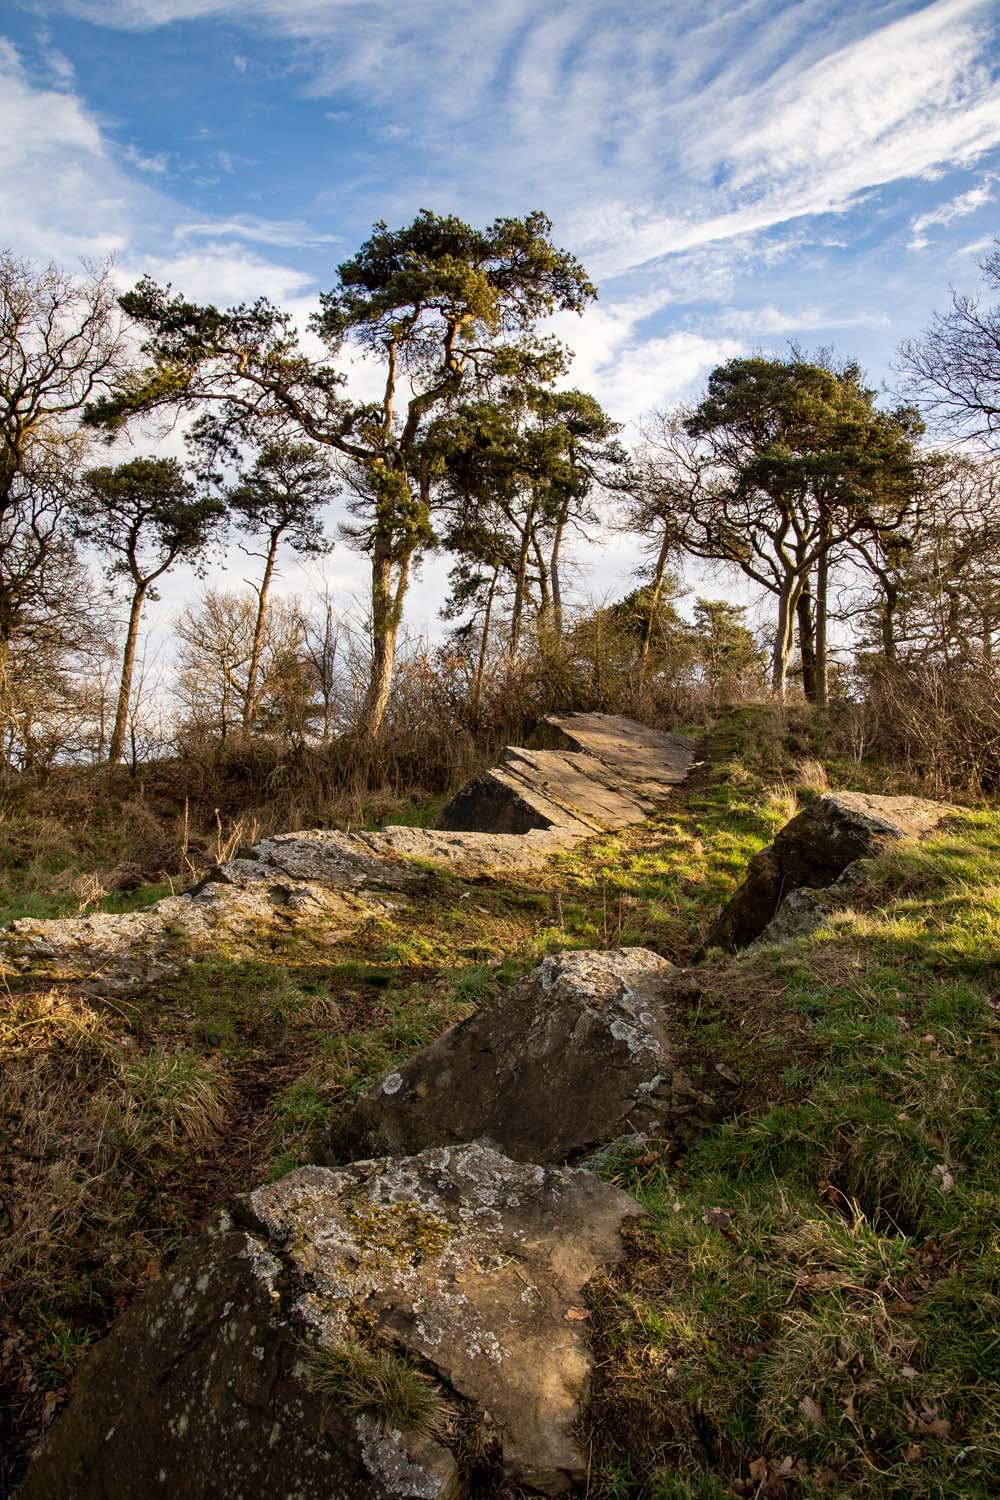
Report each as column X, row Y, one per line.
column 258, row 231
column 748, row 116
column 956, row 208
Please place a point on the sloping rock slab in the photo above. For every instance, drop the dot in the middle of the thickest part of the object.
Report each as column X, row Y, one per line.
column 502, row 801
column 812, row 851
column 614, row 773
column 652, row 760
column 470, row 854
column 243, row 903
column 471, row 1263
column 325, row 856
column 576, row 1054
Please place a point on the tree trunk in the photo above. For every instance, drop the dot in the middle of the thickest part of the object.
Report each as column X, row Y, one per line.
column 249, row 703
column 544, row 594
column 887, row 625
column 557, row 609
column 655, row 590
column 784, row 637
column 117, row 746
column 807, row 641
column 822, row 634
column 387, row 609
column 477, row 691
column 517, row 608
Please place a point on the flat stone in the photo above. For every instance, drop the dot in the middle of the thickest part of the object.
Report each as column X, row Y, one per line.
column 574, row 1055
column 651, row 760
column 470, row 1263
column 471, row 854
column 326, row 856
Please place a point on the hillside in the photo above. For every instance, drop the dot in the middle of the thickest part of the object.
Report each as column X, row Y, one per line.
column 808, row 1307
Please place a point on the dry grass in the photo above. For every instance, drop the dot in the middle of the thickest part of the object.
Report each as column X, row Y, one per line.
column 376, row 1382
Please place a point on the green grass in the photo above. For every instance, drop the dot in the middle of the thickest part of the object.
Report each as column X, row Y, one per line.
column 818, row 1283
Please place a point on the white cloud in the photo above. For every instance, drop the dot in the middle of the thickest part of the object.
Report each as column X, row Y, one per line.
column 60, row 194
column 631, row 373
column 221, row 273
column 155, row 162
column 258, row 231
column 947, row 213
column 897, row 103
column 769, row 319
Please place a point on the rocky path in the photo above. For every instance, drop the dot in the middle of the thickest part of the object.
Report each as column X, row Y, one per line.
column 410, row 1319
column 600, row 772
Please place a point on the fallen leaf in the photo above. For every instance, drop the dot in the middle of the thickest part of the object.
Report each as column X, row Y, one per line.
column 945, row 1180
column 811, row 1410
column 912, row 1452
column 577, row 1314
column 934, row 1426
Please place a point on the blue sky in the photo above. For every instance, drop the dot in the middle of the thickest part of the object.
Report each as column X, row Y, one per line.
column 734, row 175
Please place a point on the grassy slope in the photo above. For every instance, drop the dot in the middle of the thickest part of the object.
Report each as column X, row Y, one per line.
column 796, row 1326
column 811, row 1307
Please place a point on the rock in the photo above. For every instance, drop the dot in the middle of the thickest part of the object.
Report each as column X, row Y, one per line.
column 812, row 851
column 469, row 854
column 799, row 914
column 651, row 760
column 341, row 861
column 599, row 772
column 458, row 1258
column 574, row 1055
column 243, row 903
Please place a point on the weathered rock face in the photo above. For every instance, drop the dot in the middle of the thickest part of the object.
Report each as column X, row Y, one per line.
column 324, row 883
column 574, row 1055
column 600, row 772
column 246, row 903
column 650, row 760
column 470, row 1263
column 811, row 852
column 471, row 854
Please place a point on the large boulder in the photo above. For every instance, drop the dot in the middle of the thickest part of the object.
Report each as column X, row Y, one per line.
column 813, row 851
column 221, row 1382
column 593, row 772
column 578, row 1053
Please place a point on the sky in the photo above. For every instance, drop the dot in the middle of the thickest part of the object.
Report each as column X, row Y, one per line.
column 735, row 176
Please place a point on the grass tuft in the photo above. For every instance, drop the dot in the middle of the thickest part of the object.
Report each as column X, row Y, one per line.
column 380, row 1384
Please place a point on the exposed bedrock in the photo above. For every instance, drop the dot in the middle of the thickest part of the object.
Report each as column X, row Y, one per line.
column 810, row 853
column 598, row 772
column 468, row 1265
column 576, row 1054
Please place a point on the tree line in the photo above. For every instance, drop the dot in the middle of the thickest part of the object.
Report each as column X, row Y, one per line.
column 791, row 473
